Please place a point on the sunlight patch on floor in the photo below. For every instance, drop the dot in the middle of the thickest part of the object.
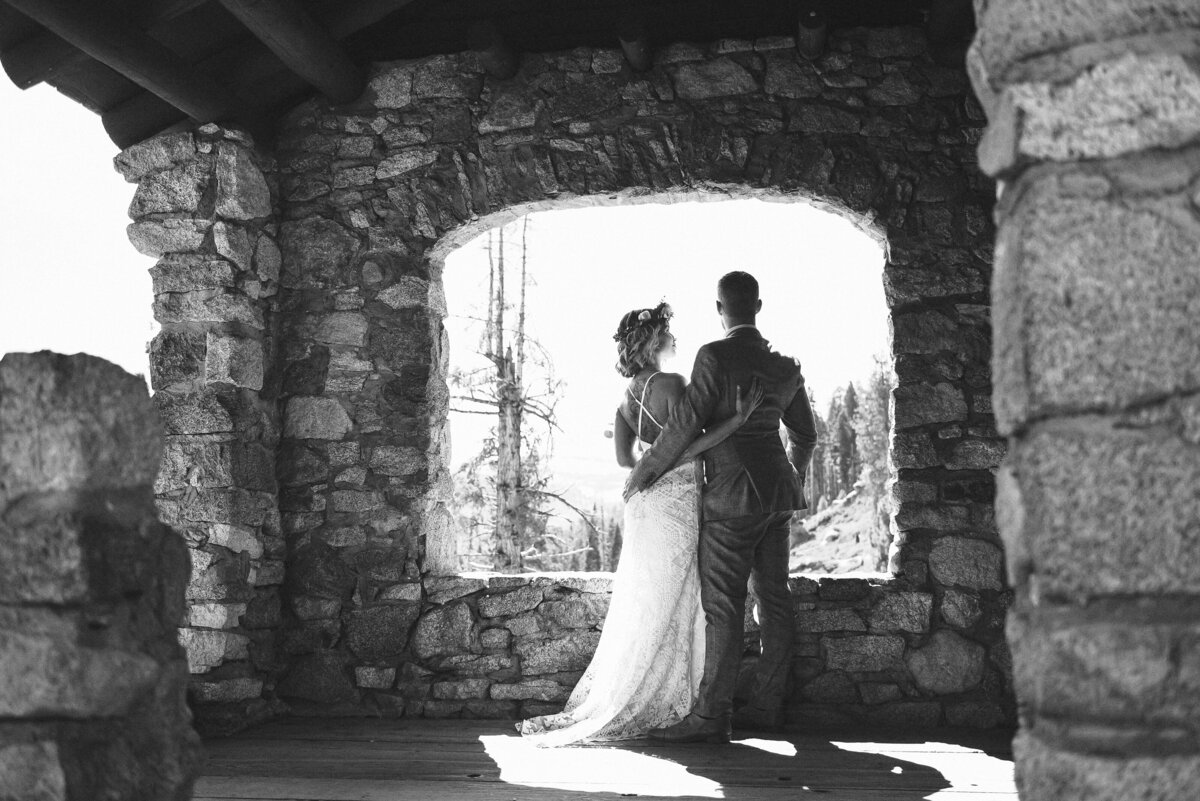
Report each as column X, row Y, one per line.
column 780, row 747
column 964, row 768
column 594, row 769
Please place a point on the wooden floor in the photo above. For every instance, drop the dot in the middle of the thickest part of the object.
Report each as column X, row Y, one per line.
column 388, row 760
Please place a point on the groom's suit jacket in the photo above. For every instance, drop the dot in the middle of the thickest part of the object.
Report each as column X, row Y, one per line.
column 750, row 472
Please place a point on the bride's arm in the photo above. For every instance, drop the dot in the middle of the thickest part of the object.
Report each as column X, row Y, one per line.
column 624, row 437
column 745, row 404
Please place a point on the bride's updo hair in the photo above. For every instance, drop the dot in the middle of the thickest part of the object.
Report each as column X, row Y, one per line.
column 639, row 338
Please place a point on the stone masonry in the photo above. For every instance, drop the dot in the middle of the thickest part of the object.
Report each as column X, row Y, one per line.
column 1095, row 136
column 370, row 198
column 92, row 677
column 203, row 207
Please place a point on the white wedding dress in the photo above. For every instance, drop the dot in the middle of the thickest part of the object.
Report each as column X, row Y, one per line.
column 650, row 658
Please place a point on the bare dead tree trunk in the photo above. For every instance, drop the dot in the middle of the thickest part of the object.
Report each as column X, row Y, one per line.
column 509, row 494
column 508, row 428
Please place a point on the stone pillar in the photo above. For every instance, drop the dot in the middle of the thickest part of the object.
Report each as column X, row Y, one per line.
column 92, row 678
column 1094, row 114
column 203, row 207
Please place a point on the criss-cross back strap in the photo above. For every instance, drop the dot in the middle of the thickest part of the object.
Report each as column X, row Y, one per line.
column 643, row 410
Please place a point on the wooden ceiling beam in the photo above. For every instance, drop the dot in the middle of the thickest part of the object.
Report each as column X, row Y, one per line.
column 43, row 56
column 113, row 42
column 303, row 45
column 341, row 18
column 261, row 78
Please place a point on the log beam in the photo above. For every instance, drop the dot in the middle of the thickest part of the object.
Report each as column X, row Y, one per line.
column 41, row 57
column 635, row 42
column 496, row 55
column 303, row 45
column 263, row 82
column 44, row 56
column 146, row 62
column 811, row 33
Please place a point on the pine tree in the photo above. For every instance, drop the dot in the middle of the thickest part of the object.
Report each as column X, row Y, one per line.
column 872, row 426
column 849, row 463
column 818, row 478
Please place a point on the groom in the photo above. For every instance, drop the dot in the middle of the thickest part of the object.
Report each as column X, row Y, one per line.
column 751, row 486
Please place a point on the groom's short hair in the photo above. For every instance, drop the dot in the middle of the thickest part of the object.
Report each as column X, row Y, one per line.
column 738, row 293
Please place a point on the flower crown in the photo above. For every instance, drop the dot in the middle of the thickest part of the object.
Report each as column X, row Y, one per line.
column 659, row 314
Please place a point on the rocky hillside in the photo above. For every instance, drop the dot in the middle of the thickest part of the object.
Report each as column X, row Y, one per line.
column 838, row 539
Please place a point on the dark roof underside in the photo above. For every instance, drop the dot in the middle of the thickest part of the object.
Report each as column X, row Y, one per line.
column 203, row 55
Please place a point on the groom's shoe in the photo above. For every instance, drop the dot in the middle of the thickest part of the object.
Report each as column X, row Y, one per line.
column 694, row 729
column 756, row 718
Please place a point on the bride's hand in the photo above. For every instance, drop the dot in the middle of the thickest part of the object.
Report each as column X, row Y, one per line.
column 749, row 400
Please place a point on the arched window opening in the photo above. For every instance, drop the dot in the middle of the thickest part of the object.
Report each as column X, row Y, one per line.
column 532, row 307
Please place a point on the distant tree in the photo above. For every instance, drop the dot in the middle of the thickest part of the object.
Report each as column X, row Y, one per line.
column 872, row 428
column 832, row 450
column 841, row 458
column 849, row 463
column 818, row 479
column 595, row 535
column 615, row 539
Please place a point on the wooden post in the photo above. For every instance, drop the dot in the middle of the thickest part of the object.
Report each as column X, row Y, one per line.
column 811, row 34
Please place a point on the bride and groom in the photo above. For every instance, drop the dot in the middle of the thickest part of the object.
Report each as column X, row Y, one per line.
column 707, row 511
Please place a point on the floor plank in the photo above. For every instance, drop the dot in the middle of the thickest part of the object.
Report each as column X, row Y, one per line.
column 360, row 790
column 380, row 760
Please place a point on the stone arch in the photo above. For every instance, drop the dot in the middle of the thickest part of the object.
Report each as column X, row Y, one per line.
column 875, row 129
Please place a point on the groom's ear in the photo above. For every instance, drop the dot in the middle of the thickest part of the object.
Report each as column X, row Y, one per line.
column 758, row 306
column 720, row 308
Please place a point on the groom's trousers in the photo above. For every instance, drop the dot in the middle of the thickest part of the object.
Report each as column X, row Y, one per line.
column 730, row 552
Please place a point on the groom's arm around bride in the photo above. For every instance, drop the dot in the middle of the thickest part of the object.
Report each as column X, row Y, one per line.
column 750, row 472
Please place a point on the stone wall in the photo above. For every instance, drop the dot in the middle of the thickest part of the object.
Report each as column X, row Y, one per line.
column 372, row 196
column 1095, row 128
column 92, row 678
column 203, row 207
column 513, row 646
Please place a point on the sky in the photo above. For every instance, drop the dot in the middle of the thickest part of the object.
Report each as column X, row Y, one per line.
column 71, row 282
column 819, row 276
column 69, row 279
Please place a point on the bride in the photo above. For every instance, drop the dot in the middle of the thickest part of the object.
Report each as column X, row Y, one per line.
column 650, row 659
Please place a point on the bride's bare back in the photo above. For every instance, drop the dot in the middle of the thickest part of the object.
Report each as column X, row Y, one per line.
column 660, row 396
column 664, row 392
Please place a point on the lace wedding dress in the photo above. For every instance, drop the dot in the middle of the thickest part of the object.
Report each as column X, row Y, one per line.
column 650, row 658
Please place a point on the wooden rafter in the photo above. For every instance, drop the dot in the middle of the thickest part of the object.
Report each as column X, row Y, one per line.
column 113, row 42
column 300, row 43
column 44, row 55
